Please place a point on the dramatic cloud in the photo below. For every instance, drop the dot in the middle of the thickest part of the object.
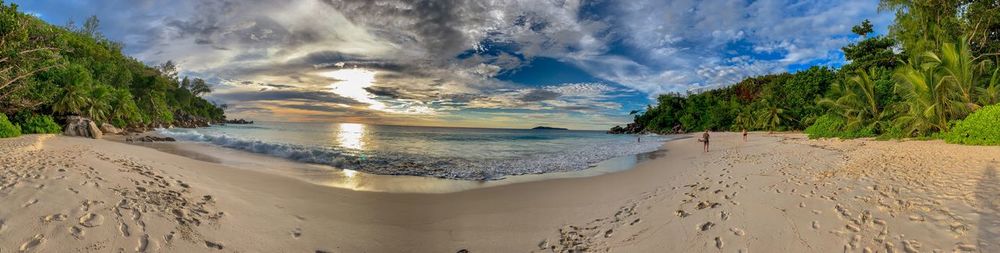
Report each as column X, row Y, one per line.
column 581, row 64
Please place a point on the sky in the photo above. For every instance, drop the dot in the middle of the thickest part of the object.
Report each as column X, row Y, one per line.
column 469, row 63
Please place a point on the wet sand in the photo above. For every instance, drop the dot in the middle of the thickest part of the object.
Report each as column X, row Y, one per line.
column 774, row 193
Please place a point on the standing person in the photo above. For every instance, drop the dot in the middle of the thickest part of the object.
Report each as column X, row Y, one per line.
column 744, row 134
column 704, row 138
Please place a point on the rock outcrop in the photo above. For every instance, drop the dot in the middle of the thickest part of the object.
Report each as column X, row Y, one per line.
column 83, row 127
column 110, row 129
column 189, row 121
column 631, row 128
column 238, row 121
column 149, row 138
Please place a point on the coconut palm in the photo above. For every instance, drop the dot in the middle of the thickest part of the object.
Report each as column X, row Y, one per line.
column 770, row 116
column 991, row 93
column 957, row 66
column 927, row 94
column 856, row 101
column 99, row 107
column 744, row 119
column 74, row 99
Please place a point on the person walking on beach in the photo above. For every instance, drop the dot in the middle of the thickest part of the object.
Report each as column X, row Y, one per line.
column 704, row 138
column 744, row 134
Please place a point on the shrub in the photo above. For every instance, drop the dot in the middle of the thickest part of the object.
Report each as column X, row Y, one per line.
column 40, row 124
column 858, row 133
column 979, row 128
column 831, row 126
column 8, row 129
column 826, row 126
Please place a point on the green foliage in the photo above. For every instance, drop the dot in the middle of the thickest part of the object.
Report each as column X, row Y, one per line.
column 77, row 71
column 38, row 124
column 872, row 52
column 923, row 26
column 863, row 29
column 979, row 128
column 826, row 126
column 8, row 129
column 771, row 102
column 855, row 99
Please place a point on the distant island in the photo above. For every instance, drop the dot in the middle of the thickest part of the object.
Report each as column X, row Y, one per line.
column 548, row 128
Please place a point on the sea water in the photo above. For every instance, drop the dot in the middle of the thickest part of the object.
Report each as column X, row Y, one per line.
column 476, row 154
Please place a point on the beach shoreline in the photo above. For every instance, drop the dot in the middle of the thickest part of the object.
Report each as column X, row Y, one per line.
column 332, row 176
column 773, row 193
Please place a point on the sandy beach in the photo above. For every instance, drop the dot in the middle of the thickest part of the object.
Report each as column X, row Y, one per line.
column 775, row 193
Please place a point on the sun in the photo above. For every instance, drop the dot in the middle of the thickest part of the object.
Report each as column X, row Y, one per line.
column 352, row 82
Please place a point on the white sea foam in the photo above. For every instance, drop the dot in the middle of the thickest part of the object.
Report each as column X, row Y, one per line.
column 571, row 158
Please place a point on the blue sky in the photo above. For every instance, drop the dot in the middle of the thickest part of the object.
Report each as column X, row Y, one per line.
column 517, row 63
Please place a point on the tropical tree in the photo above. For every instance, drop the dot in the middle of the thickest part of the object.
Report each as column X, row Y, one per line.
column 744, row 119
column 927, row 101
column 23, row 54
column 923, row 25
column 770, row 116
column 74, row 99
column 99, row 107
column 855, row 100
column 199, row 87
column 990, row 94
column 958, row 67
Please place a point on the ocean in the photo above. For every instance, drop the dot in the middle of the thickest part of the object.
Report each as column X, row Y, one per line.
column 476, row 154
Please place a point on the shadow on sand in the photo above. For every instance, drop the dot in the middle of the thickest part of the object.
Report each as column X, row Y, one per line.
column 988, row 195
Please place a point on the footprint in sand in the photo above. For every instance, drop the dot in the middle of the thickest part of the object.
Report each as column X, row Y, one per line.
column 296, row 233
column 33, row 242
column 815, row 224
column 123, row 228
column 706, row 226
column 168, row 238
column 214, row 245
column 718, row 242
column 77, row 232
column 91, row 220
column 737, row 231
column 54, row 217
column 2, row 225
column 143, row 244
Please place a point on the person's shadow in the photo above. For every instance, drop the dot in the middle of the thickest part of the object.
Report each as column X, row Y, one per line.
column 988, row 194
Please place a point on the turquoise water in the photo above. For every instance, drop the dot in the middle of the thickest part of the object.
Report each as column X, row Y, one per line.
column 452, row 153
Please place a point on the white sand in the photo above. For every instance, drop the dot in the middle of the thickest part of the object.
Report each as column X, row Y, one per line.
column 772, row 194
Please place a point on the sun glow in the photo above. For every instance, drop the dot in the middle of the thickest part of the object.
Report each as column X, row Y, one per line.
column 352, row 82
column 351, row 135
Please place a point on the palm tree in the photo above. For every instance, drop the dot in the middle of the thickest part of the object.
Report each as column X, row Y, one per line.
column 744, row 119
column 74, row 99
column 856, row 101
column 956, row 64
column 99, row 107
column 771, row 115
column 991, row 93
column 927, row 98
